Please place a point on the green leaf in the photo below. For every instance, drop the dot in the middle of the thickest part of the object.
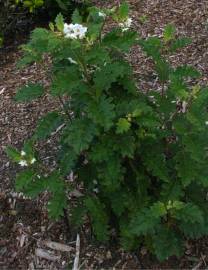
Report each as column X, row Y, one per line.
column 167, row 243
column 169, row 32
column 99, row 217
column 59, row 22
column 67, row 159
column 123, row 125
column 34, row 188
column 48, row 124
column 76, row 17
column 121, row 41
column 62, row 5
column 102, row 112
column 56, row 205
column 187, row 71
column 24, row 178
column 65, row 81
column 79, row 134
column 147, row 220
column 179, row 43
column 111, row 173
column 29, row 92
column 123, row 11
column 190, row 213
column 185, row 167
column 13, row 154
column 110, row 73
column 155, row 162
column 152, row 46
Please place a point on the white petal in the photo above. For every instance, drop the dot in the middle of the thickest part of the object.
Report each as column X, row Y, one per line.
column 23, row 153
column 102, row 14
column 23, row 163
column 32, row 160
column 72, row 61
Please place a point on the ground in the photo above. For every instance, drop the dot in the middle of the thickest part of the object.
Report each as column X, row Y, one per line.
column 24, row 224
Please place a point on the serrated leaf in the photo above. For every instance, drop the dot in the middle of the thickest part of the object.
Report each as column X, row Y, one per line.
column 167, row 243
column 185, row 167
column 48, row 124
column 65, row 81
column 56, row 205
column 102, row 112
column 152, row 46
column 123, row 11
column 169, row 32
column 179, row 43
column 122, row 42
column 59, row 22
column 98, row 216
column 186, row 71
column 163, row 70
column 76, row 17
column 33, row 189
column 13, row 154
column 24, row 178
column 189, row 213
column 29, row 92
column 108, row 74
column 67, row 159
column 147, row 220
column 123, row 125
column 79, row 134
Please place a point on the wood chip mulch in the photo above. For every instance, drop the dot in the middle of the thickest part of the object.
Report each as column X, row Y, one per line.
column 24, row 227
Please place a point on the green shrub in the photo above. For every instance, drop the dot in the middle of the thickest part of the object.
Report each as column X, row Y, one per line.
column 142, row 159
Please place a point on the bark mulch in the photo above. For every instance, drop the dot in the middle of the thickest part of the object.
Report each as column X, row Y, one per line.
column 24, row 225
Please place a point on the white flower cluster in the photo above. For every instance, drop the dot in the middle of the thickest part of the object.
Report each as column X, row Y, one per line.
column 24, row 162
column 74, row 31
column 126, row 24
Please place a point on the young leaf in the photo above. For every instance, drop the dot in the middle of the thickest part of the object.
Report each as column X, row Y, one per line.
column 76, row 17
column 48, row 124
column 123, row 125
column 29, row 92
column 123, row 12
column 169, row 33
column 59, row 22
column 179, row 43
column 13, row 154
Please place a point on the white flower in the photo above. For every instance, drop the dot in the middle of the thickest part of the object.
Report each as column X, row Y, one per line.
column 206, row 123
column 72, row 61
column 101, row 14
column 96, row 190
column 126, row 24
column 23, row 163
column 32, row 160
column 23, row 153
column 74, row 31
column 184, row 106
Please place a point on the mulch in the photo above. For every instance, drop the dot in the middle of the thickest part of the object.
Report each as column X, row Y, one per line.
column 24, row 223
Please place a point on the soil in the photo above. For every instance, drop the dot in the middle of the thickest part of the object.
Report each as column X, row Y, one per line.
column 24, row 224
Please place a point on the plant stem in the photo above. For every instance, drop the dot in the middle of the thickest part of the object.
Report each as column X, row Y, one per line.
column 64, row 108
column 66, row 220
